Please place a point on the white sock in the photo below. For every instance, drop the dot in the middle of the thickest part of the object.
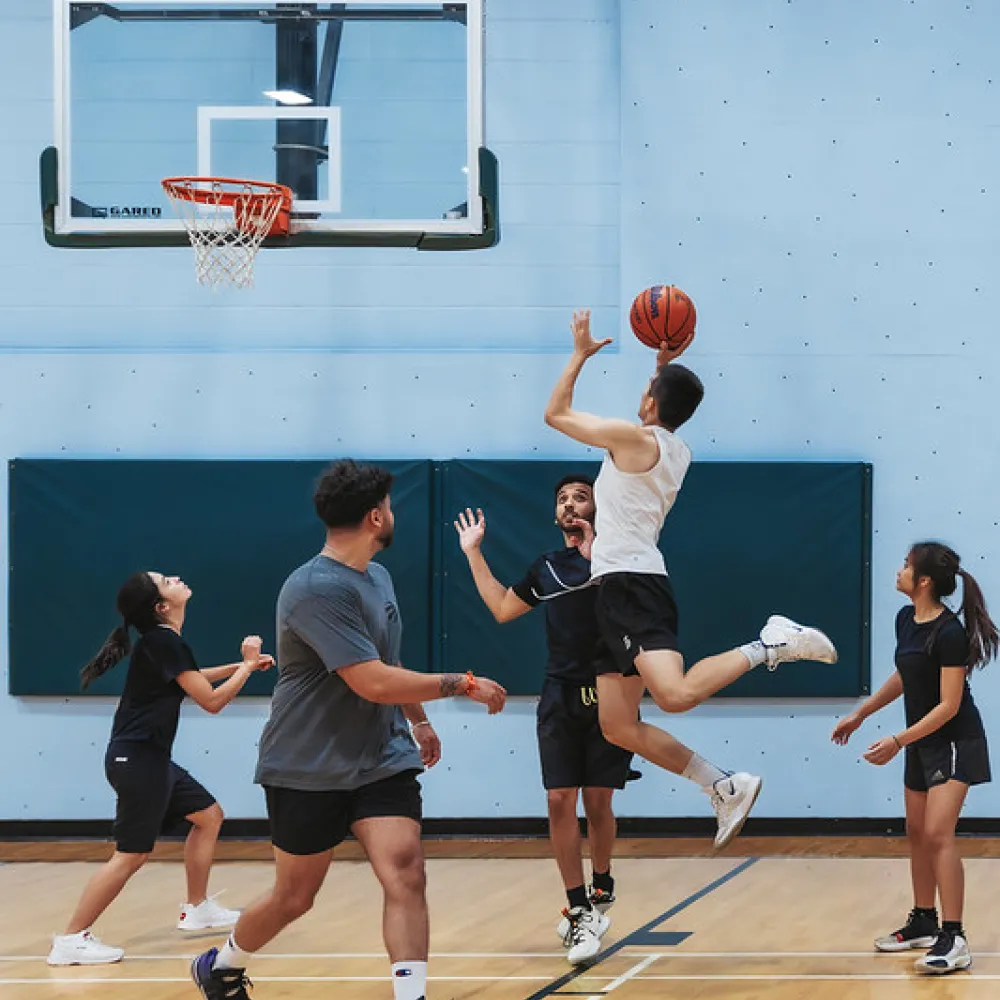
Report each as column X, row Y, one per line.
column 702, row 772
column 754, row 652
column 231, row 955
column 409, row 980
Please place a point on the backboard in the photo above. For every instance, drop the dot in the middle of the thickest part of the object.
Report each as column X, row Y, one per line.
column 370, row 112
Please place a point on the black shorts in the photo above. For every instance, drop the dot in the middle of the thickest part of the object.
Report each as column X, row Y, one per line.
column 927, row 765
column 154, row 795
column 572, row 748
column 635, row 611
column 313, row 822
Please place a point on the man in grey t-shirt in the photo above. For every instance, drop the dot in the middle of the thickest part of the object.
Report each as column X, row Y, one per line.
column 337, row 755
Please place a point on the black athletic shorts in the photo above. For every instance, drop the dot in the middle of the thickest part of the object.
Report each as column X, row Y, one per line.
column 635, row 611
column 927, row 765
column 154, row 795
column 314, row 822
column 572, row 748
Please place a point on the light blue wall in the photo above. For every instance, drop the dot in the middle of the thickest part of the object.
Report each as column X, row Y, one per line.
column 840, row 260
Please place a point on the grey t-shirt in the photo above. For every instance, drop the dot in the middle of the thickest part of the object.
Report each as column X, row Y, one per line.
column 321, row 736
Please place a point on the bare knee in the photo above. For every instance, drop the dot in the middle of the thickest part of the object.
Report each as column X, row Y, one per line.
column 130, row 862
column 916, row 834
column 621, row 732
column 209, row 820
column 672, row 698
column 562, row 802
column 293, row 902
column 406, row 877
column 939, row 838
column 597, row 804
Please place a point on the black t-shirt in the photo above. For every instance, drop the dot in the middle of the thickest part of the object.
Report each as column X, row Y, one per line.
column 921, row 672
column 151, row 702
column 561, row 580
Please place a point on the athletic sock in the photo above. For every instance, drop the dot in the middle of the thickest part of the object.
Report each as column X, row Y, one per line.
column 953, row 927
column 604, row 881
column 577, row 896
column 754, row 652
column 702, row 772
column 231, row 955
column 409, row 980
column 927, row 912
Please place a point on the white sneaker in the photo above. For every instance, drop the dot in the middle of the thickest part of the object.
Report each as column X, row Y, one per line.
column 587, row 927
column 82, row 949
column 732, row 800
column 949, row 954
column 785, row 640
column 599, row 899
column 206, row 916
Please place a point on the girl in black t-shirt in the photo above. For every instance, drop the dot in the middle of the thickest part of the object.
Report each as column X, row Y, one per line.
column 944, row 741
column 152, row 791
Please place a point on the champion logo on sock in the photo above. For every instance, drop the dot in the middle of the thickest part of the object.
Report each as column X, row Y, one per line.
column 404, row 972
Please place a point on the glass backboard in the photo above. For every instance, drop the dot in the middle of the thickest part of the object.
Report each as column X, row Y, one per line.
column 371, row 113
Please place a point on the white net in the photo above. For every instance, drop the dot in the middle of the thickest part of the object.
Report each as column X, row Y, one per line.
column 226, row 221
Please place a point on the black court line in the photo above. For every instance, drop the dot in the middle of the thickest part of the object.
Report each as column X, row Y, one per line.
column 555, row 988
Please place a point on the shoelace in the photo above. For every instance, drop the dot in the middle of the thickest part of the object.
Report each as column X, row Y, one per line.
column 234, row 984
column 577, row 929
column 944, row 943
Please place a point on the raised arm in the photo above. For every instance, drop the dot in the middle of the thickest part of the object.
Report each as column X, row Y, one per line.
column 503, row 603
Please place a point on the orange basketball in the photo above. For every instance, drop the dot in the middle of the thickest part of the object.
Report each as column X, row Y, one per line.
column 662, row 315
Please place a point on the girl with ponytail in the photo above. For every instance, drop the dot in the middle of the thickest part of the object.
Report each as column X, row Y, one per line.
column 944, row 742
column 152, row 791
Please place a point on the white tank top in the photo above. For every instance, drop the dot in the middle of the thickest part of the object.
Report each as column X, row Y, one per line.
column 631, row 509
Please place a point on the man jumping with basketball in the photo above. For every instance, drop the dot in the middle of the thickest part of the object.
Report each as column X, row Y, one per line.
column 639, row 480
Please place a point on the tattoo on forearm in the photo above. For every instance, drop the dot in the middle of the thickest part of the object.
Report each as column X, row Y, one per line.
column 450, row 684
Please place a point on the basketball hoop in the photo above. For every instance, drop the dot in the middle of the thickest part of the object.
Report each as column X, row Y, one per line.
column 227, row 220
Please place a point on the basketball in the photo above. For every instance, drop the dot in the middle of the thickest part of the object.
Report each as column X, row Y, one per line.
column 662, row 315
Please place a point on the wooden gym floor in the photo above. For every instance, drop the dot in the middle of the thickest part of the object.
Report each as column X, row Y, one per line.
column 789, row 920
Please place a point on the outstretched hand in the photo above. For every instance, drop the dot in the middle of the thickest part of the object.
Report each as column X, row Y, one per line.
column 471, row 528
column 583, row 342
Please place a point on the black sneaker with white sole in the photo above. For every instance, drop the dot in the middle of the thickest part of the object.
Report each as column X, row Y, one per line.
column 950, row 953
column 919, row 931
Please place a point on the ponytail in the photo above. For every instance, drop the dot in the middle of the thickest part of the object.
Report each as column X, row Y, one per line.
column 984, row 640
column 137, row 603
column 116, row 647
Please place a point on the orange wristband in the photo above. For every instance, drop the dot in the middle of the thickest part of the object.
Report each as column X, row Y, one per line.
column 471, row 684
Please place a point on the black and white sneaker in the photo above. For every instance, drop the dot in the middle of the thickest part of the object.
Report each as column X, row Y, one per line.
column 919, row 931
column 949, row 954
column 219, row 984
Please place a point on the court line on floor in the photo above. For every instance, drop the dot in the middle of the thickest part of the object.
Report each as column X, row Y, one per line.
column 106, row 980
column 186, row 957
column 557, row 984
column 636, row 978
column 632, row 950
column 626, row 976
column 861, row 977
